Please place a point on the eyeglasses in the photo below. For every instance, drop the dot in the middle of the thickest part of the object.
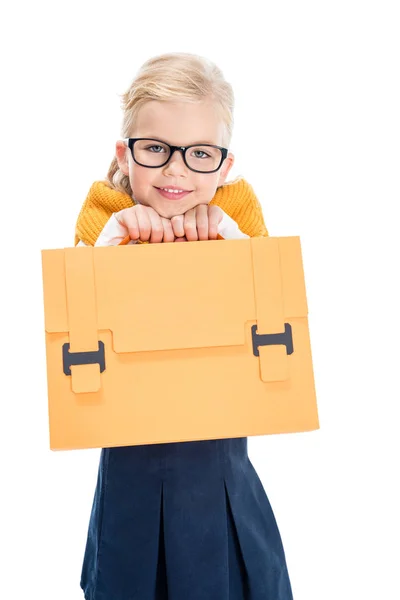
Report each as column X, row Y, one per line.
column 201, row 158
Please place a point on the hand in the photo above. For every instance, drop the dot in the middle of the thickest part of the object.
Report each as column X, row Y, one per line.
column 145, row 224
column 199, row 223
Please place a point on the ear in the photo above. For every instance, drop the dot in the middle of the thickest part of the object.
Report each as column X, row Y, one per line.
column 121, row 154
column 226, row 167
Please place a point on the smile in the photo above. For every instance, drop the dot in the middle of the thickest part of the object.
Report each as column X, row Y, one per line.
column 173, row 190
column 172, row 193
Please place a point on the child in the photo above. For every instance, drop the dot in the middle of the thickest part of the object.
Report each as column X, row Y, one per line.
column 185, row 520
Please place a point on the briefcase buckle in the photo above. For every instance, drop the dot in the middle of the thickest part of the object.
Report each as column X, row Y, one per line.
column 272, row 339
column 83, row 358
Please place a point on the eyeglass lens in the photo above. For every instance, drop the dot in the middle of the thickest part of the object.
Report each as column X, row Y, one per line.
column 154, row 154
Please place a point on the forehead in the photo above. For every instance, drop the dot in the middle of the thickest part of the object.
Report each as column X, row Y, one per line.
column 180, row 123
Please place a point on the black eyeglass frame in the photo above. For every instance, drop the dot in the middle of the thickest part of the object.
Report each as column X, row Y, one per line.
column 130, row 142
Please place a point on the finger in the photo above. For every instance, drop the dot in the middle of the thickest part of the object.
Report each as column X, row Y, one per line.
column 157, row 229
column 215, row 215
column 177, row 226
column 181, row 239
column 144, row 223
column 127, row 218
column 168, row 233
column 189, row 224
column 202, row 221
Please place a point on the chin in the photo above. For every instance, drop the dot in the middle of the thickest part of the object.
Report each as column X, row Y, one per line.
column 168, row 214
column 174, row 210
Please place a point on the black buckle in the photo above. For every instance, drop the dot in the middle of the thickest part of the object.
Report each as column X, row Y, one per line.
column 272, row 339
column 83, row 358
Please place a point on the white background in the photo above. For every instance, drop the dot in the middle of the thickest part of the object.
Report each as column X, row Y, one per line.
column 317, row 135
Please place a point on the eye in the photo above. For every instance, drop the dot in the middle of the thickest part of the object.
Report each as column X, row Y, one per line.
column 155, row 148
column 203, row 154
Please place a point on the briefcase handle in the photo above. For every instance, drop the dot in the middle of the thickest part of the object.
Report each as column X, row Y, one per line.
column 126, row 240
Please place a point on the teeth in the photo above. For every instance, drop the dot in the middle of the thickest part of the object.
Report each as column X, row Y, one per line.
column 173, row 191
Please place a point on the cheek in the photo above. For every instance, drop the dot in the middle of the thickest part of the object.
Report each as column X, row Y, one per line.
column 205, row 182
column 141, row 179
column 208, row 186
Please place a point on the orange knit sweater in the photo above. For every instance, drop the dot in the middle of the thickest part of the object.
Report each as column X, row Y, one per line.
column 236, row 198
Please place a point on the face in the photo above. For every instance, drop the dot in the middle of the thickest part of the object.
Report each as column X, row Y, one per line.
column 180, row 124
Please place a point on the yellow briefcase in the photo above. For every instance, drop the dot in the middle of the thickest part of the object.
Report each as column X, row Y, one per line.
column 176, row 342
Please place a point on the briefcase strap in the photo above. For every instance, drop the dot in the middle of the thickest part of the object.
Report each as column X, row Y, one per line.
column 83, row 358
column 272, row 339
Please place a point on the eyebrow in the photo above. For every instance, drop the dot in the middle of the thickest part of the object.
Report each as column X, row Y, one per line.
column 151, row 137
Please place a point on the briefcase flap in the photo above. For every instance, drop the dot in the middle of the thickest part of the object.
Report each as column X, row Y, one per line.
column 168, row 296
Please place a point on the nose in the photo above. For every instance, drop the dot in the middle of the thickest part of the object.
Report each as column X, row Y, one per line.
column 176, row 164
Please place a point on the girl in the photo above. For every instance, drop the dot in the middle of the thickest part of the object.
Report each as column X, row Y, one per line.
column 185, row 520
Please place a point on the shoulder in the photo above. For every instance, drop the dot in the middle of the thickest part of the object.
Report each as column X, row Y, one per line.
column 238, row 200
column 100, row 203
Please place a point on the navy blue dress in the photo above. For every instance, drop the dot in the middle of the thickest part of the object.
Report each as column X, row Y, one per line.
column 182, row 521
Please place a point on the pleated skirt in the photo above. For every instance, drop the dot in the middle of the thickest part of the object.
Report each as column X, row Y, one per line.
column 182, row 521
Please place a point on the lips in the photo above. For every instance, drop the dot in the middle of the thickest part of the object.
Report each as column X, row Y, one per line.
column 173, row 195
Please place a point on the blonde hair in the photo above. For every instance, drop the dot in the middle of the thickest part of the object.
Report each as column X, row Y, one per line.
column 173, row 76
